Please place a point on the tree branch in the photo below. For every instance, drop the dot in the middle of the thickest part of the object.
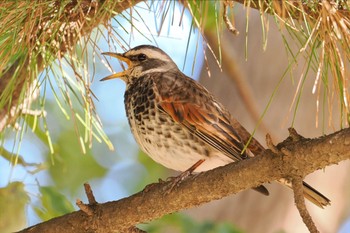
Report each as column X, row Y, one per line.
column 304, row 157
column 300, row 204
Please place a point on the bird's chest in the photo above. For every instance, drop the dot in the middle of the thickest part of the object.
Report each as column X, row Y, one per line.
column 140, row 107
column 146, row 120
column 163, row 139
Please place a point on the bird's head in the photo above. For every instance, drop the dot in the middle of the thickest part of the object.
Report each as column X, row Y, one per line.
column 141, row 60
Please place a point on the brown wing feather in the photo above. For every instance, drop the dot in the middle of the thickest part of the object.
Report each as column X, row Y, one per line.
column 190, row 104
column 210, row 127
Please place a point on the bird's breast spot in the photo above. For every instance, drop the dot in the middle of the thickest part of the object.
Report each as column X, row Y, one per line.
column 150, row 128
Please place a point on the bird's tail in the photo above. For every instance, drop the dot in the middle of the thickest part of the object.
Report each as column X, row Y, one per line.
column 256, row 148
column 315, row 196
column 310, row 194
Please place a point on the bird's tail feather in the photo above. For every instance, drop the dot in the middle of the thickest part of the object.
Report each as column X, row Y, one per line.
column 310, row 194
column 315, row 196
column 262, row 189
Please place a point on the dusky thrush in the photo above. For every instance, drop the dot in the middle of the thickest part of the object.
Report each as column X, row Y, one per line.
column 179, row 123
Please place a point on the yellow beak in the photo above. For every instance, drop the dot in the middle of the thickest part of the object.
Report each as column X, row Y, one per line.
column 121, row 57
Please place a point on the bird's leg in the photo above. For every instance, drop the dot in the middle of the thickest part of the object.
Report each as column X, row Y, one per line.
column 175, row 181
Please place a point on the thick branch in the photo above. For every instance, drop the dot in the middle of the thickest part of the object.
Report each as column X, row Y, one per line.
column 304, row 157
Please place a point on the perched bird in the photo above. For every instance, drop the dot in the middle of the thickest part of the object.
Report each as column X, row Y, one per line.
column 178, row 123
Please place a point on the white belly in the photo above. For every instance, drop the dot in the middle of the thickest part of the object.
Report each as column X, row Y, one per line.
column 179, row 153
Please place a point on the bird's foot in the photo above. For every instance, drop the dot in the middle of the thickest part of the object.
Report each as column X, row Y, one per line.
column 175, row 181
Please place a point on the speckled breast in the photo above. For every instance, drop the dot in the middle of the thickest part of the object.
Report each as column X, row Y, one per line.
column 164, row 140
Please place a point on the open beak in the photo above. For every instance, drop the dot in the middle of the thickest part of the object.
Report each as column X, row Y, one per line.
column 120, row 57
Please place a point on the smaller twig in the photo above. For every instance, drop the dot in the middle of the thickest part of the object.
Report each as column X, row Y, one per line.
column 270, row 144
column 89, row 194
column 87, row 208
column 293, row 134
column 228, row 23
column 297, row 185
column 84, row 207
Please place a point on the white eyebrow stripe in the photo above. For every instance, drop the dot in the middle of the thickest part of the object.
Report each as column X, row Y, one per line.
column 151, row 54
column 157, row 55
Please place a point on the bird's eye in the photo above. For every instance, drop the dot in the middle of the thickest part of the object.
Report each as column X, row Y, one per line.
column 141, row 57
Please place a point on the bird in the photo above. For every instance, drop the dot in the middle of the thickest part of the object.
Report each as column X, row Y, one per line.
column 179, row 123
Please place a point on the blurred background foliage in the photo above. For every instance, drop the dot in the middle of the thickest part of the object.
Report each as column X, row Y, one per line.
column 59, row 125
column 182, row 223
